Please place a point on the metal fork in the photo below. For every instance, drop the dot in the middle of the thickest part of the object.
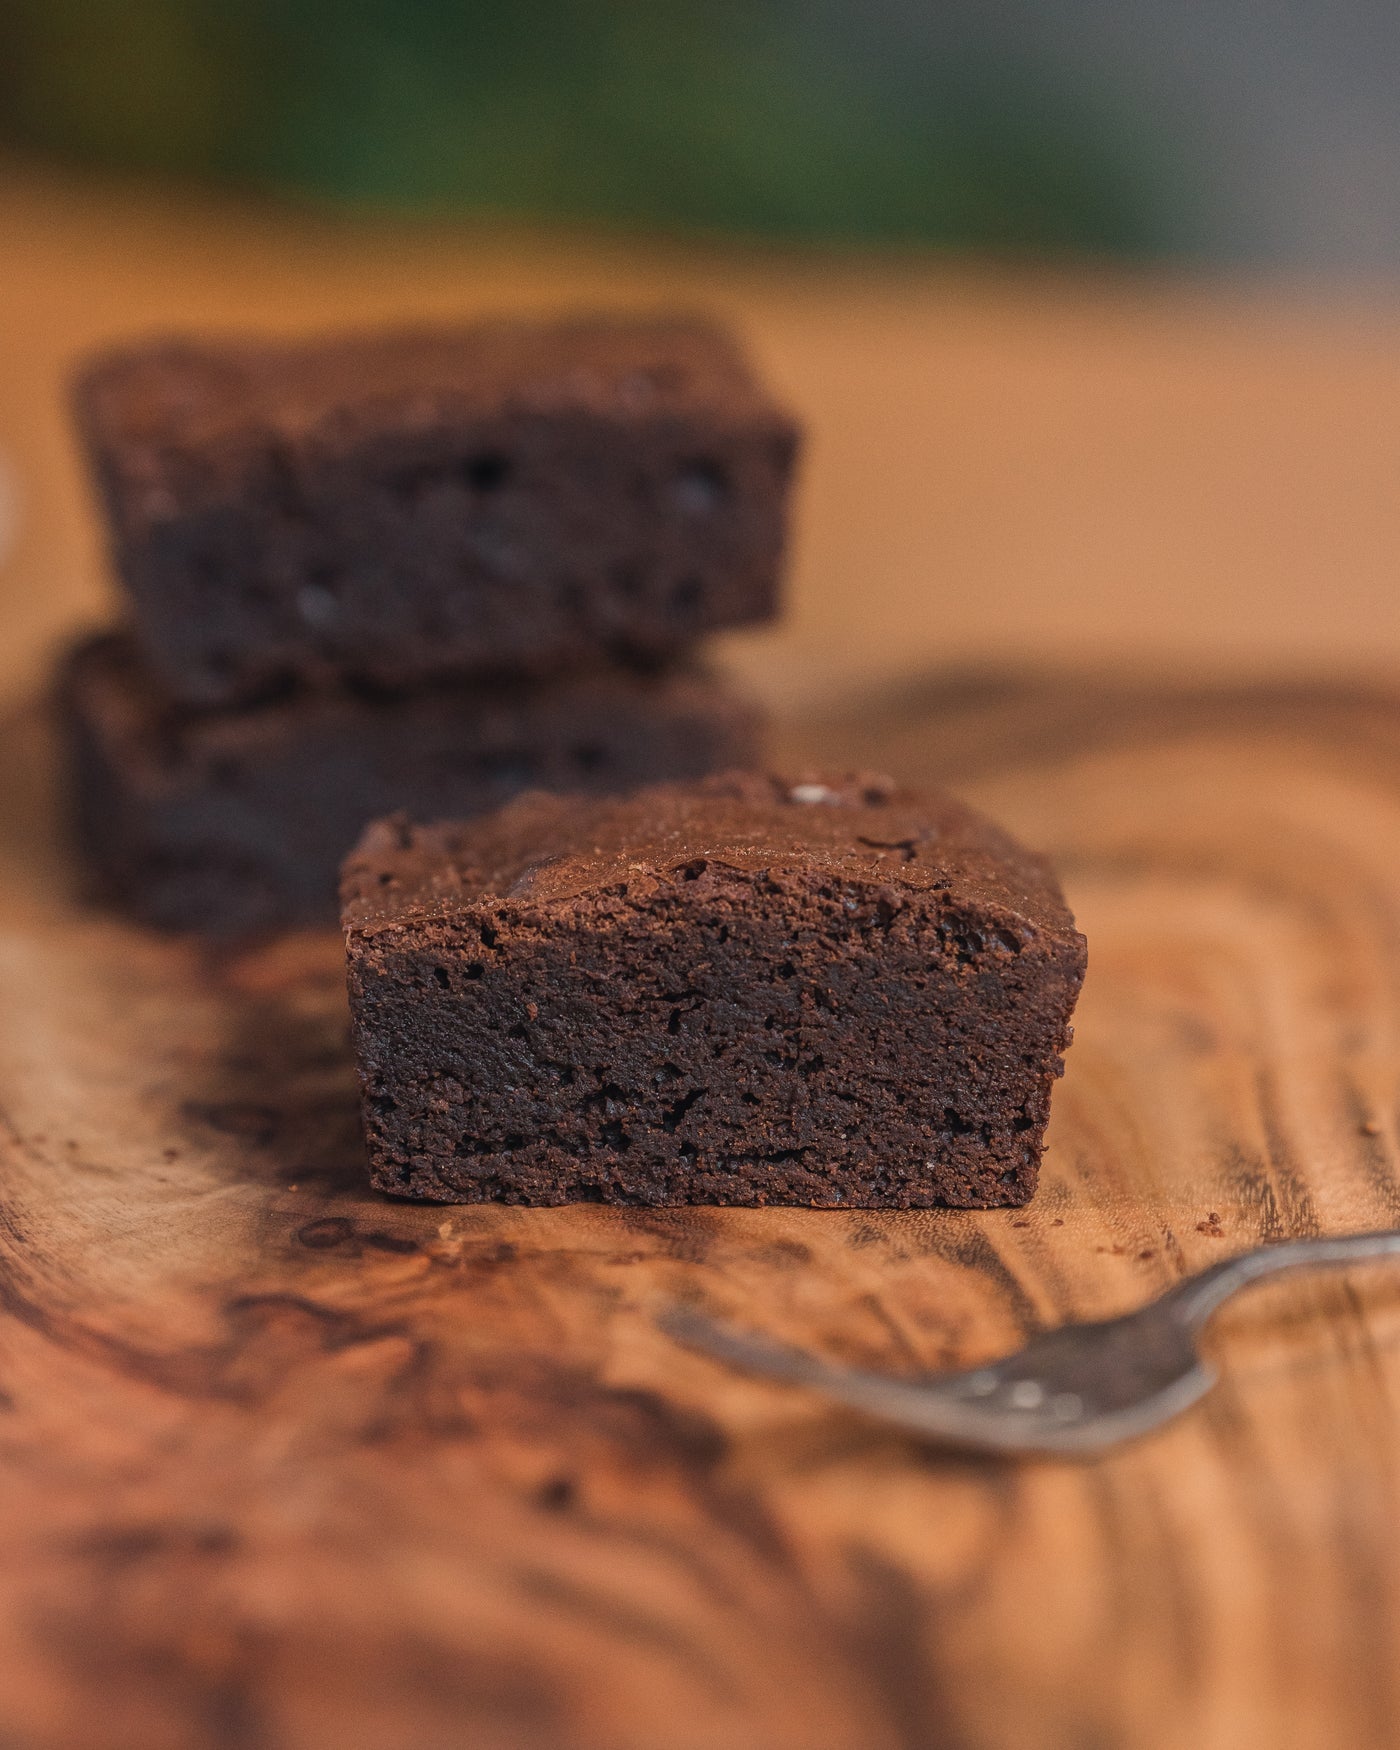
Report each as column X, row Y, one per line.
column 1073, row 1391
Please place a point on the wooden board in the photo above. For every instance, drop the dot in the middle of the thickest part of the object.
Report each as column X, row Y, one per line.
column 287, row 1465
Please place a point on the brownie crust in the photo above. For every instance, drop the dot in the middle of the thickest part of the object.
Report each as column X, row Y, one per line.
column 829, row 993
column 509, row 499
column 230, row 822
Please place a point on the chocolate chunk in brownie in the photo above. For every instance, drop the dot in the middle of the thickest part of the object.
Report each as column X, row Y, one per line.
column 826, row 992
column 236, row 820
column 512, row 498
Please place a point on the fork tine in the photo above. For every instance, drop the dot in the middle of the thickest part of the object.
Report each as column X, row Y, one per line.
column 1072, row 1391
column 940, row 1408
column 910, row 1403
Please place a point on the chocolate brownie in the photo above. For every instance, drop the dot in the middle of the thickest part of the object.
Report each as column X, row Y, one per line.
column 747, row 990
column 511, row 498
column 231, row 821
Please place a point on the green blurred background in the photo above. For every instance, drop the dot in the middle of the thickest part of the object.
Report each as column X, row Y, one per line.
column 1240, row 131
column 777, row 119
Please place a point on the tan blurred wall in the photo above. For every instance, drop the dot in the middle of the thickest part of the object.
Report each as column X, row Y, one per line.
column 1003, row 467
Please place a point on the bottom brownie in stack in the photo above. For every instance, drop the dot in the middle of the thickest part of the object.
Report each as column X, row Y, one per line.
column 232, row 821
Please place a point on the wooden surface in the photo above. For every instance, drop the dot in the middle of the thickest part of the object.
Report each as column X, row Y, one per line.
column 284, row 1465
column 288, row 1464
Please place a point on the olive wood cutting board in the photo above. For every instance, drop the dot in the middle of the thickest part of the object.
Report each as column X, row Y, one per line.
column 286, row 1465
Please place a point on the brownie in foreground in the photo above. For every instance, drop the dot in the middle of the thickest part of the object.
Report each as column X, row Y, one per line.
column 228, row 822
column 515, row 498
column 742, row 991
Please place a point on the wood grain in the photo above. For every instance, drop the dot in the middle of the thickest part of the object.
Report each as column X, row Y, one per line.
column 286, row 1465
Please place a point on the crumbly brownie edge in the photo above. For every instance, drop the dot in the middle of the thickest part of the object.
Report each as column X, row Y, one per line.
column 618, row 1141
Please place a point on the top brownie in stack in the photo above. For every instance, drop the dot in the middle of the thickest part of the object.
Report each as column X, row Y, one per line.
column 512, row 499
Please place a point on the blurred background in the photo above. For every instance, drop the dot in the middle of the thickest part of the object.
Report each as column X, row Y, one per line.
column 1089, row 306
column 1241, row 131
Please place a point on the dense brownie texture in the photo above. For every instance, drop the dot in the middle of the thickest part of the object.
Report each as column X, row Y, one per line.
column 235, row 821
column 741, row 991
column 513, row 498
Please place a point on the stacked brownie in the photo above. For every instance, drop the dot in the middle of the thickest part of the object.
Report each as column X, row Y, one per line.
column 419, row 571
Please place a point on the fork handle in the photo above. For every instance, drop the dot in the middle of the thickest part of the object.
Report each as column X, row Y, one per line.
column 1194, row 1300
